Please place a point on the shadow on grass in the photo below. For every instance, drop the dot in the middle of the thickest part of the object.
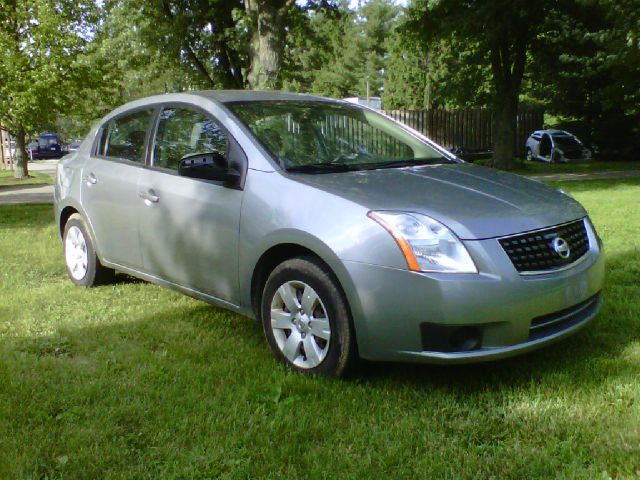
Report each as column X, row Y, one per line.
column 126, row 279
column 22, row 216
column 579, row 360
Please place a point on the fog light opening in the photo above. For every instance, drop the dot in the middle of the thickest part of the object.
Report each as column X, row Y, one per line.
column 464, row 339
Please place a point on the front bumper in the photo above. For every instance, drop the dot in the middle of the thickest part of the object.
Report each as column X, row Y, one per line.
column 391, row 306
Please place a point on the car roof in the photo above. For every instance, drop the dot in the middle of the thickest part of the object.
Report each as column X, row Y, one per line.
column 227, row 96
column 219, row 97
column 552, row 131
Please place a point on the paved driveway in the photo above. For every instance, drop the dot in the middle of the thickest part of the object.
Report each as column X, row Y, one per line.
column 16, row 195
column 44, row 166
column 26, row 194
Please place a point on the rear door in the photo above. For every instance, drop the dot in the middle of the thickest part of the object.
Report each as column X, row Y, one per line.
column 189, row 227
column 109, row 186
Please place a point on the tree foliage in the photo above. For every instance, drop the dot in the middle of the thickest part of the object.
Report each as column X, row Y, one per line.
column 497, row 35
column 340, row 52
column 217, row 43
column 586, row 71
column 446, row 73
column 43, row 71
column 580, row 59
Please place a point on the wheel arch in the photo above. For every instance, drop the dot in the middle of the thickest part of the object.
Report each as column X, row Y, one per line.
column 65, row 214
column 279, row 252
column 63, row 217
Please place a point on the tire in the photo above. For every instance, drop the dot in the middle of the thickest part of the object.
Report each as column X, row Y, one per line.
column 529, row 155
column 83, row 266
column 306, row 319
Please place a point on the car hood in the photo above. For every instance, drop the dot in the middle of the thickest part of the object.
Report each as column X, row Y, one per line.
column 475, row 202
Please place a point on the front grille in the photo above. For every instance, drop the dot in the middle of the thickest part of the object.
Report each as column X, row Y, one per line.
column 546, row 325
column 534, row 251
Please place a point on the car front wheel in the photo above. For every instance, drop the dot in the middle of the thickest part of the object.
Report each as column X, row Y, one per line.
column 529, row 155
column 306, row 318
column 83, row 266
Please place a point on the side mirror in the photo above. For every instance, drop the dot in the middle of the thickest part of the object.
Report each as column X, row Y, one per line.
column 208, row 166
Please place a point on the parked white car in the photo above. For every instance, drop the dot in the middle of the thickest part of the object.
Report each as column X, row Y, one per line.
column 556, row 146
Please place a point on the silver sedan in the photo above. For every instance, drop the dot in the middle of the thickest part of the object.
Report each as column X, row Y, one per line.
column 555, row 146
column 346, row 234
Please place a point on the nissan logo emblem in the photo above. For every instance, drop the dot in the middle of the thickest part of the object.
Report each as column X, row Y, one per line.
column 561, row 247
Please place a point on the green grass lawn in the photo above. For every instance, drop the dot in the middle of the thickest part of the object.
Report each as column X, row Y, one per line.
column 535, row 168
column 35, row 178
column 134, row 381
column 587, row 167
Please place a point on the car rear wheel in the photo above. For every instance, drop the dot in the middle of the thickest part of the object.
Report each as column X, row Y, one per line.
column 83, row 266
column 306, row 318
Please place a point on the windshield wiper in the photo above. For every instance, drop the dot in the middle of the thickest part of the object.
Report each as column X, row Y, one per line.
column 408, row 163
column 322, row 167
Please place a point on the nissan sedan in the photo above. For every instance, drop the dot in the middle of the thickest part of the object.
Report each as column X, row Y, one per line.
column 346, row 234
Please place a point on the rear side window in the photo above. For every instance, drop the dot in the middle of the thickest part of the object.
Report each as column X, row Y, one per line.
column 125, row 136
column 184, row 131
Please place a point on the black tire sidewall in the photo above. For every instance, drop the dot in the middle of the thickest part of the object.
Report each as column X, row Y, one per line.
column 318, row 277
column 89, row 279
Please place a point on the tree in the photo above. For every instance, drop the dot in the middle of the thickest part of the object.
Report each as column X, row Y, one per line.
column 41, row 73
column 220, row 43
column 375, row 21
column 206, row 38
column 586, row 72
column 446, row 72
column 131, row 69
column 499, row 33
column 338, row 51
column 322, row 53
column 266, row 48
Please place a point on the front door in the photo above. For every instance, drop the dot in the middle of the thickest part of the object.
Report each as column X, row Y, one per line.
column 189, row 227
column 109, row 187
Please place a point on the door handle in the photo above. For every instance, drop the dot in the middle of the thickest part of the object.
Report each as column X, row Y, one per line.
column 149, row 197
column 90, row 179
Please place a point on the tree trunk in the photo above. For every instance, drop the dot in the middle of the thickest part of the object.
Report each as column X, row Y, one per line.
column 504, row 131
column 21, row 168
column 267, row 42
column 508, row 60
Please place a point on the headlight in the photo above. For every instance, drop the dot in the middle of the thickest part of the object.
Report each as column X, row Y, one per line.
column 427, row 245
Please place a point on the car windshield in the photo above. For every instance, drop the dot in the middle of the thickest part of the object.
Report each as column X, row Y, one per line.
column 319, row 137
column 566, row 140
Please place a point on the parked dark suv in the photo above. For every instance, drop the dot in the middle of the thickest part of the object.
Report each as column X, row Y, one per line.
column 47, row 146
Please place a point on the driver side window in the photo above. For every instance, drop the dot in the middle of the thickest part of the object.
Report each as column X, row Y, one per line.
column 184, row 131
